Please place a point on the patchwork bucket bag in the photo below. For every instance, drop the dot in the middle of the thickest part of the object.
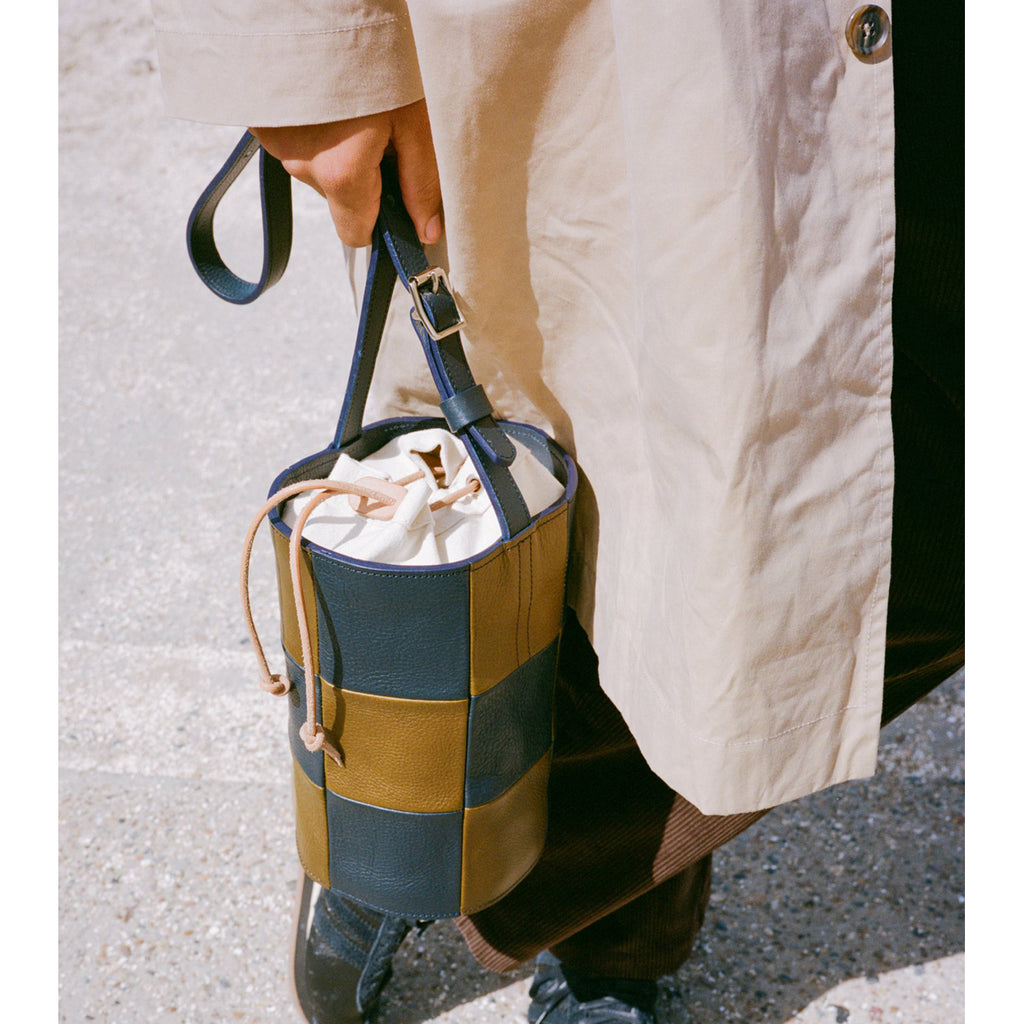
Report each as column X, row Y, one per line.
column 419, row 695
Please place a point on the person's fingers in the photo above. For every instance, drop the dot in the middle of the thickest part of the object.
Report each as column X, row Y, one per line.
column 348, row 175
column 417, row 169
column 342, row 162
column 354, row 202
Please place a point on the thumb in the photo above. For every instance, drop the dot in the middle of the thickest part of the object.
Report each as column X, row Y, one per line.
column 417, row 170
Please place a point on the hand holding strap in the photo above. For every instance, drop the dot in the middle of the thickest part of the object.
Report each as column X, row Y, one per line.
column 396, row 253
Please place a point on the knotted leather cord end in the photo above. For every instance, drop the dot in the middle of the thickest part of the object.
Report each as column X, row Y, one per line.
column 276, row 684
column 311, row 732
column 316, row 740
column 273, row 682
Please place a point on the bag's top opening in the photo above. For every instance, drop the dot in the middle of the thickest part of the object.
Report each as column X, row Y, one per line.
column 432, row 511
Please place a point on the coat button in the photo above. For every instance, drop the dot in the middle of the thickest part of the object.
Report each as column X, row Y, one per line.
column 867, row 31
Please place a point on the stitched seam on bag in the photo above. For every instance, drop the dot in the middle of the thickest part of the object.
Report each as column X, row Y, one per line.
column 519, row 599
column 312, row 874
column 563, row 511
column 529, row 599
column 422, row 915
column 412, row 575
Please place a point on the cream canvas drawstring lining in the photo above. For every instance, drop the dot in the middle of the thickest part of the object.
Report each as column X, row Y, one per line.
column 311, row 731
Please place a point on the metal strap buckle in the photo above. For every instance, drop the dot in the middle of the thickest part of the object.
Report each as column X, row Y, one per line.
column 433, row 276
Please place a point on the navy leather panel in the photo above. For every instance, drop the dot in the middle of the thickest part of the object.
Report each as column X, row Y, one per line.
column 397, row 862
column 466, row 407
column 394, row 633
column 276, row 205
column 510, row 728
column 311, row 764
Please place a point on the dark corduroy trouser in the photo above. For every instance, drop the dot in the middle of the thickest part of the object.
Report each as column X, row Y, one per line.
column 624, row 879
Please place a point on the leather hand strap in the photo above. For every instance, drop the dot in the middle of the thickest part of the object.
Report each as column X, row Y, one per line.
column 463, row 401
column 276, row 201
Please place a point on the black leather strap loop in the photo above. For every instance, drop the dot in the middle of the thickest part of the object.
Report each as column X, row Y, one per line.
column 276, row 203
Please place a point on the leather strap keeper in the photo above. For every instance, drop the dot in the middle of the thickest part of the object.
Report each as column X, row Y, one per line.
column 466, row 407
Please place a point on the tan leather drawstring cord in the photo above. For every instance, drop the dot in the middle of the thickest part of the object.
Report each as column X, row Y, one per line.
column 311, row 731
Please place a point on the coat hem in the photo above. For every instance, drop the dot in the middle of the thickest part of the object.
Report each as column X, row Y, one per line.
column 807, row 758
column 280, row 79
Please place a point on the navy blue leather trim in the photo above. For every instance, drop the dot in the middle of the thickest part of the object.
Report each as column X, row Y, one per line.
column 311, row 764
column 451, row 373
column 547, row 451
column 510, row 728
column 380, row 285
column 466, row 407
column 393, row 633
column 377, row 434
column 276, row 205
column 395, row 861
column 490, row 450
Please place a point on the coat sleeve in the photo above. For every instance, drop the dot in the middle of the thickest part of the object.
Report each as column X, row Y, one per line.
column 264, row 63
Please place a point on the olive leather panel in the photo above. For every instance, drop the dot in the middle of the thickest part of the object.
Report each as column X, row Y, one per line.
column 406, row 755
column 516, row 601
column 394, row 633
column 311, row 764
column 400, row 863
column 311, row 826
column 502, row 840
column 289, row 620
column 510, row 727
column 549, row 553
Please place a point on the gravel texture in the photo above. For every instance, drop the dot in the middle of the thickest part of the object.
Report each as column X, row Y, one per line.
column 177, row 866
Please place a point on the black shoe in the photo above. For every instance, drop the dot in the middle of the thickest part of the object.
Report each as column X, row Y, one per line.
column 561, row 995
column 342, row 960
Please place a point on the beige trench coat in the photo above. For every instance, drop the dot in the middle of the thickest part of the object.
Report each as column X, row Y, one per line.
column 671, row 225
